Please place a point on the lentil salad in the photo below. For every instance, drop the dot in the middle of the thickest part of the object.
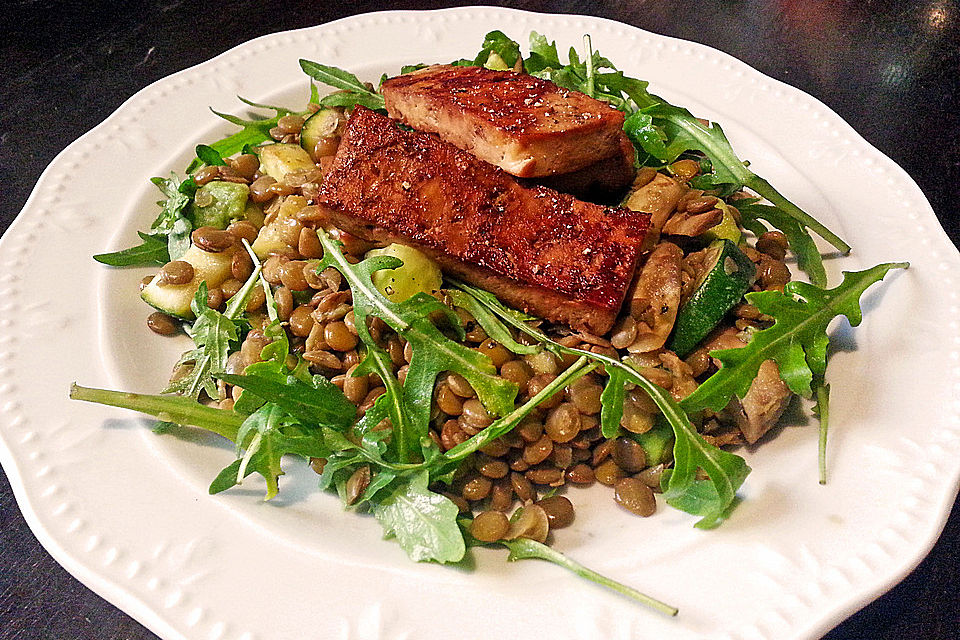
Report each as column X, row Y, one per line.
column 543, row 406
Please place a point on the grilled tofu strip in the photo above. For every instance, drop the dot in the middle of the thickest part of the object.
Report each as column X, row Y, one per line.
column 548, row 253
column 526, row 126
column 612, row 174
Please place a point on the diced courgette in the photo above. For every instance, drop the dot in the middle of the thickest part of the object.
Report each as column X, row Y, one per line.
column 657, row 443
column 727, row 229
column 253, row 214
column 277, row 160
column 322, row 124
column 224, row 202
column 174, row 299
column 729, row 275
column 275, row 238
column 417, row 274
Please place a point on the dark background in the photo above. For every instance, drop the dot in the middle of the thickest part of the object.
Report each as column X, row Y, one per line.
column 891, row 68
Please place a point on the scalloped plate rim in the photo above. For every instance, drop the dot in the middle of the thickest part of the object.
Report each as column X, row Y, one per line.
column 154, row 620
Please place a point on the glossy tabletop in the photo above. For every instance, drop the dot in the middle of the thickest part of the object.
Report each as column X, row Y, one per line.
column 890, row 68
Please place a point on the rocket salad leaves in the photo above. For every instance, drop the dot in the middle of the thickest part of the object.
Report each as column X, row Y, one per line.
column 385, row 460
column 710, row 498
column 797, row 341
column 433, row 352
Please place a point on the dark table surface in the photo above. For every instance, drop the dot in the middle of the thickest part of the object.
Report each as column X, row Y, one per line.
column 891, row 68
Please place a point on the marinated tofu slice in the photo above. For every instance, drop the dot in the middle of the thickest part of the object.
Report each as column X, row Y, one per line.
column 612, row 174
column 545, row 252
column 526, row 126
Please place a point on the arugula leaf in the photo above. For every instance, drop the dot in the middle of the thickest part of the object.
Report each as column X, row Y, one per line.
column 316, row 402
column 687, row 133
column 647, row 136
column 267, row 435
column 209, row 156
column 498, row 52
column 152, row 251
column 797, row 341
column 212, row 333
column 424, row 523
column 174, row 204
column 713, row 497
column 822, row 409
column 493, row 327
column 175, row 409
column 611, row 403
column 178, row 240
column 355, row 91
column 710, row 498
column 348, row 100
column 433, row 352
column 543, row 54
column 504, row 425
column 664, row 130
column 808, row 256
column 252, row 132
column 171, row 221
column 524, row 548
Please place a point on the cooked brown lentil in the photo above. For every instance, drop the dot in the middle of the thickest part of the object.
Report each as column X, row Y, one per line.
column 532, row 523
column 477, row 488
column 517, row 372
column 628, row 454
column 608, row 473
column 338, row 336
column 563, row 422
column 203, row 175
column 256, row 300
column 522, row 487
column 245, row 165
column 559, row 511
column 545, row 475
column 355, row 387
column 260, row 189
column 474, row 414
column 538, row 451
column 215, row 297
column 489, row 526
column 774, row 244
column 326, row 146
column 651, row 476
column 447, row 400
column 301, row 321
column 492, row 468
column 581, row 474
column 501, row 496
column 357, row 484
column 230, row 287
column 284, row 299
column 308, row 244
column 162, row 324
column 459, row 385
column 175, row 272
column 212, row 240
column 635, row 496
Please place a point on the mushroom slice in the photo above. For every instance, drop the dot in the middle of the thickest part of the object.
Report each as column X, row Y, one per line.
column 656, row 297
column 763, row 404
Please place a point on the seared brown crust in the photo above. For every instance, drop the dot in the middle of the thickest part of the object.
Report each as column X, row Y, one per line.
column 563, row 259
column 527, row 126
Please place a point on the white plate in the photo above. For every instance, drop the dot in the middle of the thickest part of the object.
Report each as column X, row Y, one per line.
column 127, row 512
